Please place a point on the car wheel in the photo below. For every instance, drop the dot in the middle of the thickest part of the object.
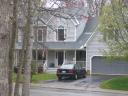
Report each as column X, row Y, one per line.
column 59, row 78
column 76, row 77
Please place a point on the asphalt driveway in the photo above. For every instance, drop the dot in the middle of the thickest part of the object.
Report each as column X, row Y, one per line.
column 90, row 82
column 94, row 80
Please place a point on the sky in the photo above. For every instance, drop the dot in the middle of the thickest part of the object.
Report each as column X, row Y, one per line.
column 54, row 3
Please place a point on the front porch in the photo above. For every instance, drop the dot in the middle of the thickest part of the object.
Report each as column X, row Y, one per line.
column 54, row 58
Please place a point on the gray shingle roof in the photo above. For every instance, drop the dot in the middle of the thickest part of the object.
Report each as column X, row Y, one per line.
column 89, row 28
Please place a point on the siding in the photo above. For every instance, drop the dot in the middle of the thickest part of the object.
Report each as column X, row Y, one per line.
column 95, row 47
column 69, row 29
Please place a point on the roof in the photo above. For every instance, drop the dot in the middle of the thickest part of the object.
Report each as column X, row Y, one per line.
column 89, row 28
column 76, row 45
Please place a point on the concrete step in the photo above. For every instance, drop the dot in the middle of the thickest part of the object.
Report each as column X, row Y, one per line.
column 51, row 70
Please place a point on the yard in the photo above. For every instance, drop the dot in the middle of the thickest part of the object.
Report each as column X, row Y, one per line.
column 39, row 77
column 119, row 83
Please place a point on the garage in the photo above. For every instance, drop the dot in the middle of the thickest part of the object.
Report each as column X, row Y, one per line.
column 100, row 65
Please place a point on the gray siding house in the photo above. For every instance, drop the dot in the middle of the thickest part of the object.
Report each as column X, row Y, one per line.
column 58, row 41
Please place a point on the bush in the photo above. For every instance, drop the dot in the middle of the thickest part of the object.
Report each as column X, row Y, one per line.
column 16, row 68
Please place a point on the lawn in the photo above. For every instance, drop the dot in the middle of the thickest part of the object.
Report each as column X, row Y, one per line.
column 43, row 77
column 39, row 77
column 119, row 83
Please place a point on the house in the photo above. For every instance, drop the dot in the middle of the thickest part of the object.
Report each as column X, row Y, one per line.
column 60, row 40
column 75, row 40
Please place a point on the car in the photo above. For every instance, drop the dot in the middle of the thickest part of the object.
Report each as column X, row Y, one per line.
column 74, row 71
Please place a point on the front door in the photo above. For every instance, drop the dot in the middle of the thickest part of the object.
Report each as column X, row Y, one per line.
column 60, row 57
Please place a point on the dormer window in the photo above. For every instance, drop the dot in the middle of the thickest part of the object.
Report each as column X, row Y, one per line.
column 60, row 33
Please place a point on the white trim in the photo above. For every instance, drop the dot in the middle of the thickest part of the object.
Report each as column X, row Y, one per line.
column 64, row 56
column 75, row 33
column 75, row 56
column 47, row 59
column 93, row 34
column 91, row 64
column 77, row 20
column 73, row 22
column 89, row 39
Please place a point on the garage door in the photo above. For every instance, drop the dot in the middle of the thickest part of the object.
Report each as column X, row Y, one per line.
column 101, row 66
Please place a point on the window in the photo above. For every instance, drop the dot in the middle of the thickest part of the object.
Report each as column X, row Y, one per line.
column 34, row 54
column 39, row 54
column 60, row 33
column 40, row 35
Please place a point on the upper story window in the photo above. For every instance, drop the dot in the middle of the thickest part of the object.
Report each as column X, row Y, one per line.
column 40, row 35
column 60, row 33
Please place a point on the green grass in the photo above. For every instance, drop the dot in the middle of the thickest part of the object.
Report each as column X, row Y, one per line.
column 43, row 77
column 39, row 77
column 119, row 83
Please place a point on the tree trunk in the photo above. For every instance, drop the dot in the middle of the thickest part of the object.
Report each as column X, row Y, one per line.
column 20, row 66
column 28, row 53
column 12, row 46
column 5, row 26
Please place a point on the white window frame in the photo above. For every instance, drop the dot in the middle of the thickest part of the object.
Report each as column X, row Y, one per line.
column 57, row 33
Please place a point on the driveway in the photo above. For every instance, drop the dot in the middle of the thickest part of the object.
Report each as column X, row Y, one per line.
column 88, row 83
column 59, row 92
column 94, row 80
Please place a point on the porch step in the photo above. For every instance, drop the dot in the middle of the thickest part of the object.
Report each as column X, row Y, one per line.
column 51, row 70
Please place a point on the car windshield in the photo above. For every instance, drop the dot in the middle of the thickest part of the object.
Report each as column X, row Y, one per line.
column 67, row 66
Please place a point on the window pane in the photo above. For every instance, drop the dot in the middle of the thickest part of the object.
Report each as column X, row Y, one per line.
column 61, row 34
column 40, row 57
column 40, row 35
column 34, row 54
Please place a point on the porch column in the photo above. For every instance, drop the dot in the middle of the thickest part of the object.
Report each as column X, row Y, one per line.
column 75, row 56
column 64, row 56
column 47, row 59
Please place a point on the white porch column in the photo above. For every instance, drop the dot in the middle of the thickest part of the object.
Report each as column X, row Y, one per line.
column 75, row 57
column 47, row 59
column 64, row 56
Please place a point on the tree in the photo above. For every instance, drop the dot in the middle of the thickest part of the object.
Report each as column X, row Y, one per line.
column 5, row 30
column 114, row 27
column 12, row 46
